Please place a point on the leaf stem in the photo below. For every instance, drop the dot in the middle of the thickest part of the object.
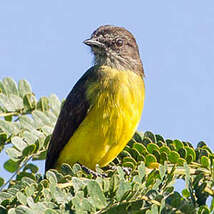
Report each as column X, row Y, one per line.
column 9, row 114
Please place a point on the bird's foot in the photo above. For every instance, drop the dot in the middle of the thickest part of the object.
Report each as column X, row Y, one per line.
column 127, row 170
column 92, row 172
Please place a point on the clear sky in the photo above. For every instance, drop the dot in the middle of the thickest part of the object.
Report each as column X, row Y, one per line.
column 41, row 41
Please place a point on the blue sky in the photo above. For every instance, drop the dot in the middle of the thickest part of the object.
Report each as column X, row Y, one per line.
column 41, row 41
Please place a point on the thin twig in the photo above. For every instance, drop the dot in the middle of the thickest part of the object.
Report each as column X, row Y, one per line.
column 14, row 174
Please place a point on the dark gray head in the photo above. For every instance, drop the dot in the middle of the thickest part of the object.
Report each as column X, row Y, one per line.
column 115, row 47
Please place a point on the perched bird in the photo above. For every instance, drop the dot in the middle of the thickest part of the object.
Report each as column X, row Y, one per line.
column 102, row 111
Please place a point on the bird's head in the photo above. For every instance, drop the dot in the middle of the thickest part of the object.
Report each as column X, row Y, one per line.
column 115, row 47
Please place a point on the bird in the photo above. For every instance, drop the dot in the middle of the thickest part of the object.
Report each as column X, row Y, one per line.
column 101, row 113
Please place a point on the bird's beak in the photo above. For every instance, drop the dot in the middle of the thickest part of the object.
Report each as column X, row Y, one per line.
column 92, row 42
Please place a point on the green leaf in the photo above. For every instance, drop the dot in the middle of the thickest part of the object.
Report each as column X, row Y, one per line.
column 11, row 102
column 2, row 88
column 8, row 118
column 41, row 119
column 159, row 138
column 140, row 148
column 52, row 117
column 30, row 137
column 138, row 136
column 6, row 103
column 40, row 156
column 43, row 104
column 190, row 151
column 154, row 209
column 163, row 170
column 28, row 180
column 13, row 153
column 23, row 174
column 189, row 159
column 151, row 179
column 124, row 187
column 16, row 102
column 10, row 86
column 181, row 161
column 30, row 190
column 128, row 164
column 12, row 211
column 121, row 173
column 21, row 209
column 164, row 149
column 160, row 143
column 204, row 152
column 29, row 150
column 26, row 122
column 151, row 147
column 156, row 153
column 182, row 152
column 29, row 102
column 201, row 144
column 134, row 153
column 142, row 170
column 172, row 147
column 82, row 205
column 129, row 159
column 186, row 193
column 187, row 178
column 203, row 210
column 212, row 205
column 47, row 130
column 150, row 159
column 174, row 200
column 163, row 157
column 151, row 136
column 11, row 166
column 32, row 167
column 173, row 157
column 55, row 104
column 5, row 196
column 8, row 127
column 60, row 196
column 124, row 153
column 22, row 198
column 3, row 138
column 18, row 143
column 24, row 88
column 207, row 149
column 96, row 194
column 205, row 161
column 178, row 144
column 1, row 181
column 169, row 142
column 146, row 141
column 50, row 211
column 50, row 175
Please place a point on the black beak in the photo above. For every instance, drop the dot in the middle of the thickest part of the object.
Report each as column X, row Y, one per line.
column 92, row 42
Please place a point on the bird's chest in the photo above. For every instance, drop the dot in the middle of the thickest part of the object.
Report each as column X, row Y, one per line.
column 116, row 104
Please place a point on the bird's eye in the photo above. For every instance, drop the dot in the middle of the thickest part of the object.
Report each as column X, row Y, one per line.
column 119, row 42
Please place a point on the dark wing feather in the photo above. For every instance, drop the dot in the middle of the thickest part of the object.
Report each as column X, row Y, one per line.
column 72, row 114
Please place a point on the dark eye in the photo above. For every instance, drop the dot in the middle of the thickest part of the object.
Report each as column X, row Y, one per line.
column 119, row 42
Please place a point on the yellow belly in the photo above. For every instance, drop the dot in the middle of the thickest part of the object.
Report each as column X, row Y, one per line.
column 116, row 108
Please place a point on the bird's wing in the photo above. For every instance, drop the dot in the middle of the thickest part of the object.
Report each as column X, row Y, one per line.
column 72, row 114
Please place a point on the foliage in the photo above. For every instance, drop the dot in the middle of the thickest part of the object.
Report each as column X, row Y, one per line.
column 140, row 180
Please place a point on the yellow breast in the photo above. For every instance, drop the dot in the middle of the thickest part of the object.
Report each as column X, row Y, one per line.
column 116, row 106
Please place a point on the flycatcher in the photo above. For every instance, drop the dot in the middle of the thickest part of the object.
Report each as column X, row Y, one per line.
column 103, row 110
